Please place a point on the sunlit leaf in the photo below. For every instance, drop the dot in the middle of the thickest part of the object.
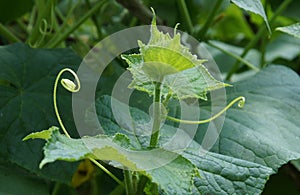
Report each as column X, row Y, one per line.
column 164, row 59
column 176, row 176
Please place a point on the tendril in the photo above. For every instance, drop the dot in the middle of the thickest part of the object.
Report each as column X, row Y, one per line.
column 70, row 86
column 241, row 101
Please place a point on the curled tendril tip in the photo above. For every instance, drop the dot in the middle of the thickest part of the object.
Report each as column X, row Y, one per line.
column 68, row 85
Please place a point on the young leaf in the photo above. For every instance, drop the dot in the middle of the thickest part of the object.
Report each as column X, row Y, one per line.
column 164, row 59
column 254, row 6
column 41, row 134
column 293, row 30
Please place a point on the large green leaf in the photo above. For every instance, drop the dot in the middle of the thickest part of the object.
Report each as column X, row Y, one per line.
column 255, row 140
column 16, row 181
column 26, row 104
column 233, row 26
column 220, row 174
column 284, row 46
column 266, row 131
column 293, row 29
column 174, row 177
column 10, row 10
column 254, row 6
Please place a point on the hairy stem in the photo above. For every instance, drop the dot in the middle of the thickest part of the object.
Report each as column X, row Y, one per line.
column 239, row 99
column 156, row 115
column 142, row 183
column 128, row 182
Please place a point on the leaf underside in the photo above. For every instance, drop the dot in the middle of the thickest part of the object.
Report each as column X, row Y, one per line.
column 164, row 59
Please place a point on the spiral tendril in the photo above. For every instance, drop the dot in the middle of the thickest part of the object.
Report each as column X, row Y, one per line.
column 70, row 86
column 241, row 101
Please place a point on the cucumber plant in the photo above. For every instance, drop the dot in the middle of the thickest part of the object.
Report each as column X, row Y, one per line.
column 160, row 69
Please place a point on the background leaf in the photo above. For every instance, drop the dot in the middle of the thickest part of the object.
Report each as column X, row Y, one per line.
column 218, row 173
column 17, row 181
column 293, row 30
column 254, row 6
column 10, row 10
column 26, row 105
column 266, row 131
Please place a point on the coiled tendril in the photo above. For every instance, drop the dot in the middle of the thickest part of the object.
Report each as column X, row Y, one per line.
column 239, row 99
column 68, row 85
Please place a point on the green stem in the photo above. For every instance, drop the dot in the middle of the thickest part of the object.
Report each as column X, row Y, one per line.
column 263, row 52
column 239, row 99
column 8, row 35
column 166, row 100
column 71, row 7
column 22, row 26
column 55, row 42
column 156, row 115
column 142, row 183
column 95, row 20
column 186, row 16
column 31, row 19
column 118, row 190
column 106, row 171
column 209, row 20
column 56, row 188
column 128, row 182
column 44, row 11
column 260, row 32
column 234, row 56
